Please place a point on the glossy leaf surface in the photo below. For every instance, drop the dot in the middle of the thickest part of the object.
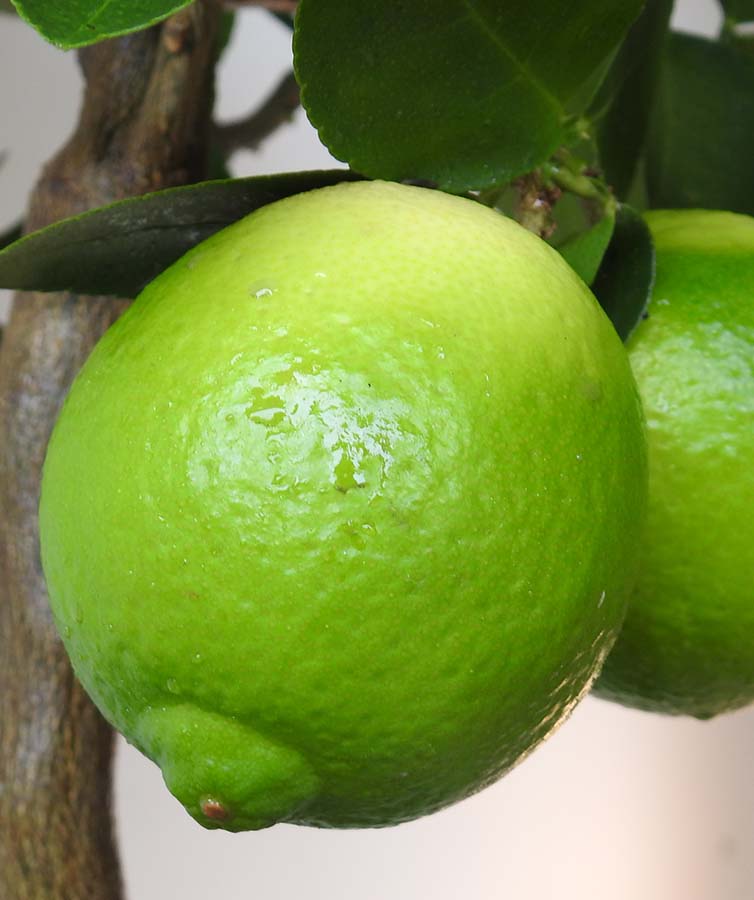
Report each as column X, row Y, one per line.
column 462, row 93
column 585, row 252
column 626, row 275
column 118, row 249
column 702, row 134
column 623, row 105
column 76, row 23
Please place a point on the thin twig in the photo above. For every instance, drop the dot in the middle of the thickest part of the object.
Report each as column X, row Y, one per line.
column 249, row 133
column 284, row 6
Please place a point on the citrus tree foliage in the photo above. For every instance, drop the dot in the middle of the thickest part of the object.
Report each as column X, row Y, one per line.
column 741, row 10
column 622, row 107
column 128, row 243
column 703, row 130
column 75, row 23
column 569, row 117
column 462, row 93
column 584, row 251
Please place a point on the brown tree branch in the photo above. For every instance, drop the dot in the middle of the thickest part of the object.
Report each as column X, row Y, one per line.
column 249, row 133
column 283, row 6
column 144, row 125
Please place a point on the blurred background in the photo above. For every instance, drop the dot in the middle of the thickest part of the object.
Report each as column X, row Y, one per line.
column 618, row 804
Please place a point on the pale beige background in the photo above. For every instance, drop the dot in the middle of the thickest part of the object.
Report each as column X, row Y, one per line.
column 618, row 805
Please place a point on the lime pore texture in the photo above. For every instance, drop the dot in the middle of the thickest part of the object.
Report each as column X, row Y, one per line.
column 688, row 643
column 337, row 520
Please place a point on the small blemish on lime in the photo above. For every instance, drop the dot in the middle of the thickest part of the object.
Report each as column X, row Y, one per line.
column 214, row 809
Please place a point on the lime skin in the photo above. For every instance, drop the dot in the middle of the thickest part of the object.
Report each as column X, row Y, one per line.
column 688, row 643
column 339, row 519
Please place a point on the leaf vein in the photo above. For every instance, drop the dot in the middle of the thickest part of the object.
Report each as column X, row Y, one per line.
column 495, row 39
column 96, row 14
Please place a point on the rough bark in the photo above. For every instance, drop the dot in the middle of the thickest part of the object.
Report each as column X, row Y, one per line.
column 143, row 126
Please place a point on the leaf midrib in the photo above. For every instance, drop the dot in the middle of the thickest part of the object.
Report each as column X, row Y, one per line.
column 83, row 28
column 517, row 63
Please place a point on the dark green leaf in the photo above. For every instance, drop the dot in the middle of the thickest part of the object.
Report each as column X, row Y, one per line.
column 76, row 23
column 740, row 10
column 227, row 24
column 582, row 99
column 623, row 105
column 584, row 253
column 571, row 218
column 10, row 235
column 463, row 93
column 117, row 249
column 702, row 133
column 626, row 276
column 217, row 166
column 285, row 18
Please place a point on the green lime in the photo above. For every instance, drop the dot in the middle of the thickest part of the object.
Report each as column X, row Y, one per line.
column 688, row 643
column 337, row 520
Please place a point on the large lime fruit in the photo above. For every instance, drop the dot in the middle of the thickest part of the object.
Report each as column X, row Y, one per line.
column 688, row 642
column 337, row 520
